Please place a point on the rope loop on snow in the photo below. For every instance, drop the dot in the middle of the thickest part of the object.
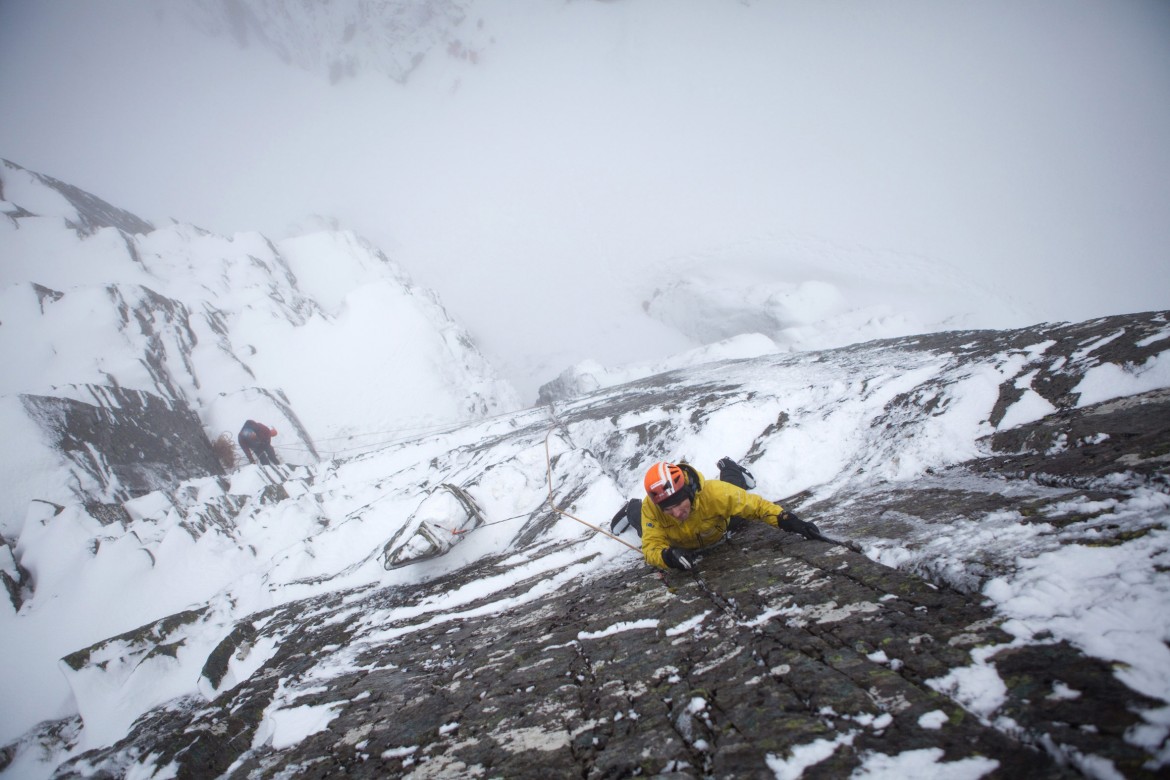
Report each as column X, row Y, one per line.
column 559, row 511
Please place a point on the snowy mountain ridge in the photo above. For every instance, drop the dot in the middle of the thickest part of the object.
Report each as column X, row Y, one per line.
column 230, row 327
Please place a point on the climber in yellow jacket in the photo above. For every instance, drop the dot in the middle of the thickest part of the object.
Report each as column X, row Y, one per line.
column 683, row 512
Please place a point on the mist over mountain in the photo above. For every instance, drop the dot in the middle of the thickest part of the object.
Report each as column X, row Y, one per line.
column 598, row 165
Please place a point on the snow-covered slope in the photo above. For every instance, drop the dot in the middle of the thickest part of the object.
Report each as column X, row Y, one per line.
column 321, row 336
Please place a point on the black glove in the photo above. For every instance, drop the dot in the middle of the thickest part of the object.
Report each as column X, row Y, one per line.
column 790, row 522
column 677, row 559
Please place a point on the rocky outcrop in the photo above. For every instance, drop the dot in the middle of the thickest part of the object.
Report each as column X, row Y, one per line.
column 124, row 443
column 89, row 211
column 14, row 577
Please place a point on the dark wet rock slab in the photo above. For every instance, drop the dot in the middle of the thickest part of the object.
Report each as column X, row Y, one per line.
column 780, row 642
column 143, row 441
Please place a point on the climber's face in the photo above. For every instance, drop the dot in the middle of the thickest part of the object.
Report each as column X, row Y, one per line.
column 680, row 511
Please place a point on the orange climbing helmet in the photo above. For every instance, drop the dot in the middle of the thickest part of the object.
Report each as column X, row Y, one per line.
column 667, row 484
column 271, row 431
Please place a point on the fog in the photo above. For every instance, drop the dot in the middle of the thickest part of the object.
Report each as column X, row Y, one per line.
column 591, row 152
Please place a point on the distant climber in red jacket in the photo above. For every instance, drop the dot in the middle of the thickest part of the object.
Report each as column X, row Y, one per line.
column 257, row 438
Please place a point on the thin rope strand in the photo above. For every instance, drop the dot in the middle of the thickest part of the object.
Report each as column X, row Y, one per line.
column 559, row 511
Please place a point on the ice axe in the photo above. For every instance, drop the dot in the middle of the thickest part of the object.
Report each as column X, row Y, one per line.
column 788, row 521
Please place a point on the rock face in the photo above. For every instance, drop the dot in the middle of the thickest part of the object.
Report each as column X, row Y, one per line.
column 780, row 645
column 127, row 442
column 89, row 211
column 781, row 656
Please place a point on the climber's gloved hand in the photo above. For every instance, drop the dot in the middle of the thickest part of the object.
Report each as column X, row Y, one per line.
column 788, row 521
column 677, row 559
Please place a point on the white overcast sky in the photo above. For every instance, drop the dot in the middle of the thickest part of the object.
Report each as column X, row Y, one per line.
column 597, row 149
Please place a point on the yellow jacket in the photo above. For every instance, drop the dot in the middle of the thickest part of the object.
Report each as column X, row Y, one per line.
column 714, row 505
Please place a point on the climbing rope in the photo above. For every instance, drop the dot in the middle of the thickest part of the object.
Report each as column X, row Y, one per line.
column 551, row 499
column 559, row 511
column 552, row 505
column 383, row 438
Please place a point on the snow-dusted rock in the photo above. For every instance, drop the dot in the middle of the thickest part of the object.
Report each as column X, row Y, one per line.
column 321, row 336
